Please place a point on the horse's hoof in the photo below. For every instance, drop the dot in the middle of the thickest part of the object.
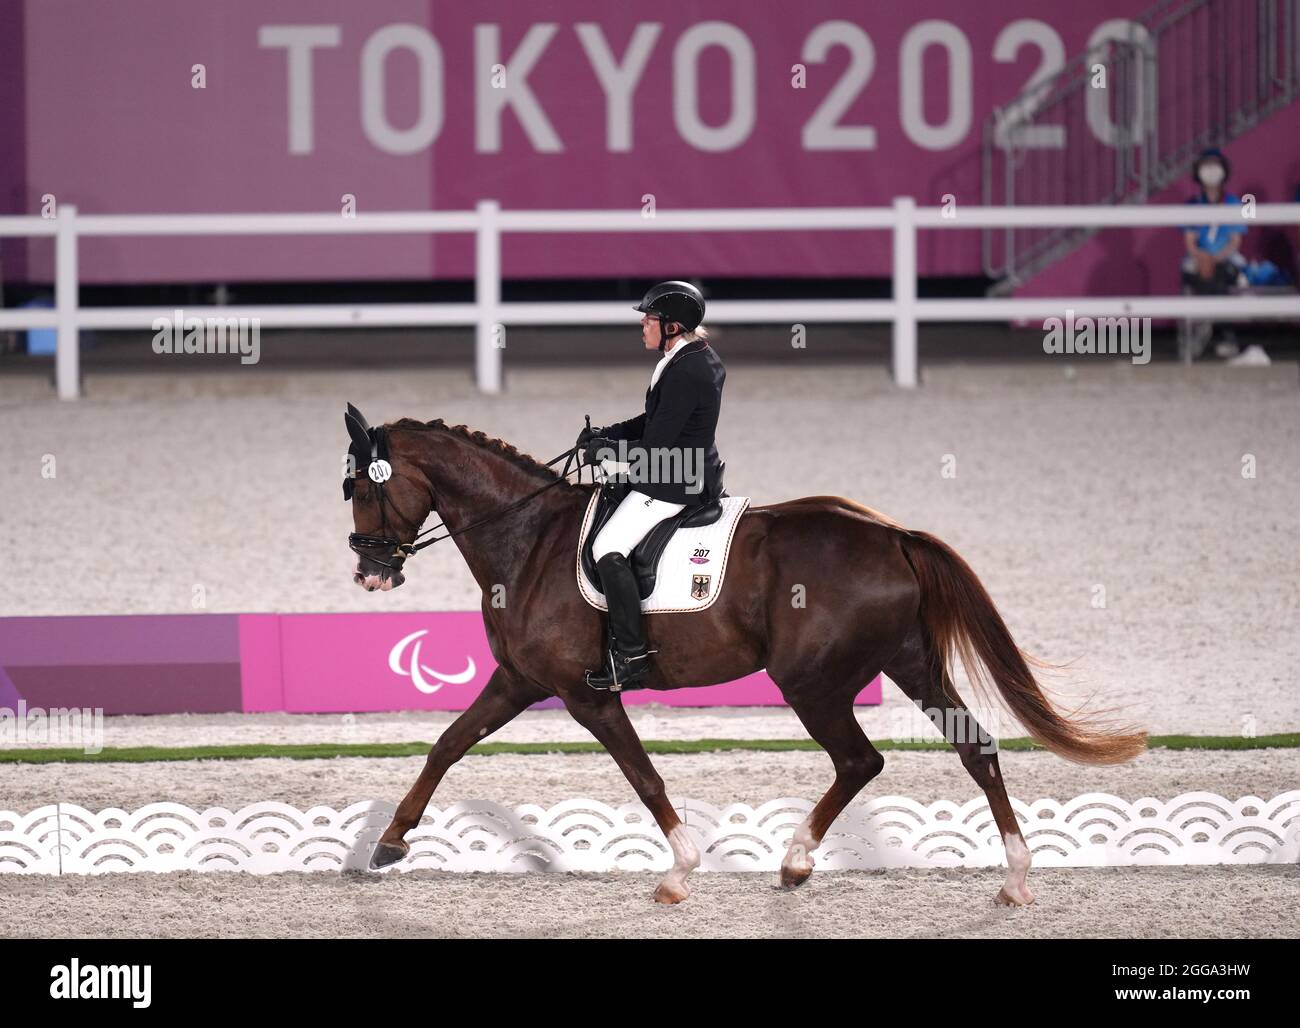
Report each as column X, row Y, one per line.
column 386, row 853
column 670, row 893
column 796, row 867
column 792, row 878
column 1006, row 899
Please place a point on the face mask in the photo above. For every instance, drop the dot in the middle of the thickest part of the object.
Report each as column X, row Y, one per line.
column 1211, row 175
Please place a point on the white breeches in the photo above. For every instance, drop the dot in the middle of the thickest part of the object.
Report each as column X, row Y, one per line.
column 630, row 523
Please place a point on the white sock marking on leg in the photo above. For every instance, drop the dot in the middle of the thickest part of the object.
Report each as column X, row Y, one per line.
column 1018, row 862
column 799, row 856
column 686, row 858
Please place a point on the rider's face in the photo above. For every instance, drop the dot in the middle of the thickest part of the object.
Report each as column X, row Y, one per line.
column 652, row 331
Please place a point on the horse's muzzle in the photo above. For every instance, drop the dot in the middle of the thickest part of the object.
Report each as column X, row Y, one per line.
column 373, row 577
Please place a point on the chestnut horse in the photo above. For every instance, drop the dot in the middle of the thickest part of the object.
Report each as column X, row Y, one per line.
column 873, row 597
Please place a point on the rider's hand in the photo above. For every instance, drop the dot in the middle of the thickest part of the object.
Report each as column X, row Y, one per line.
column 587, row 435
column 594, row 446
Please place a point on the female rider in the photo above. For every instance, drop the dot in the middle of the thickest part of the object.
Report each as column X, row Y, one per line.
column 676, row 432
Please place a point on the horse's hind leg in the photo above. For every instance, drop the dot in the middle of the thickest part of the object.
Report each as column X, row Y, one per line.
column 828, row 716
column 931, row 689
column 501, row 700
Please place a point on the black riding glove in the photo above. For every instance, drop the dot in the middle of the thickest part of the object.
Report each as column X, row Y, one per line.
column 594, row 447
column 587, row 435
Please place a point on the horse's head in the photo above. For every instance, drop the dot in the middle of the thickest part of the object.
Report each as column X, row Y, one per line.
column 390, row 500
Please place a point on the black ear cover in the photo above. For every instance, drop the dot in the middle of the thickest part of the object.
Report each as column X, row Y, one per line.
column 357, row 428
column 362, row 437
column 368, row 444
column 361, row 418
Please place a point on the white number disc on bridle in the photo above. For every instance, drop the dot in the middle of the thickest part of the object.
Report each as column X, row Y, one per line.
column 380, row 471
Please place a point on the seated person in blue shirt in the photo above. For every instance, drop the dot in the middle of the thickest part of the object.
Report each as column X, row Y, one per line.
column 1213, row 263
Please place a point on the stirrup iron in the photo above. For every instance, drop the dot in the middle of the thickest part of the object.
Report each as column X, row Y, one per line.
column 613, row 660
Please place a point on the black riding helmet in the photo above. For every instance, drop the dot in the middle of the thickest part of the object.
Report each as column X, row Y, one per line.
column 673, row 301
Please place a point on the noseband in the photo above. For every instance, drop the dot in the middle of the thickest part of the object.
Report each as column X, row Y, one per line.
column 379, row 470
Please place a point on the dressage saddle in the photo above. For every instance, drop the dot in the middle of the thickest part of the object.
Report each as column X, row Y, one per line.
column 646, row 553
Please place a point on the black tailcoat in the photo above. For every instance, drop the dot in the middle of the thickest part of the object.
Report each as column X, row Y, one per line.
column 681, row 414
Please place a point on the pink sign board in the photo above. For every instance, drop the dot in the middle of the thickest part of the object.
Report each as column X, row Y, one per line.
column 317, row 663
column 297, row 105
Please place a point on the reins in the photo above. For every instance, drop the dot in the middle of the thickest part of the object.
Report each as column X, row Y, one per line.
column 568, row 456
column 401, row 550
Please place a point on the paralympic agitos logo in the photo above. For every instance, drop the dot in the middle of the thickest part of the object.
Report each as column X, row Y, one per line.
column 410, row 666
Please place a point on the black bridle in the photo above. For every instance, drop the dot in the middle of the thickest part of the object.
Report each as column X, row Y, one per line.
column 398, row 551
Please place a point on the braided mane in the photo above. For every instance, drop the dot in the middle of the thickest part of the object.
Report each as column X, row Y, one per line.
column 484, row 441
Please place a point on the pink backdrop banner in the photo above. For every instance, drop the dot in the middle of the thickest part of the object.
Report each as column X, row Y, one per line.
column 293, row 105
column 321, row 663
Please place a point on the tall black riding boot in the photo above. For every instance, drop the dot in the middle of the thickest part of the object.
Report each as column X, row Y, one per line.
column 628, row 659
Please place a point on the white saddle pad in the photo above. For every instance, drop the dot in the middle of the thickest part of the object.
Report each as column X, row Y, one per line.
column 692, row 566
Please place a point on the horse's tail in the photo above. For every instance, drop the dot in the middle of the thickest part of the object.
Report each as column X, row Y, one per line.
column 962, row 621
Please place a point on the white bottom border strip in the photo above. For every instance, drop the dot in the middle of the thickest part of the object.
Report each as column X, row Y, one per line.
column 1093, row 830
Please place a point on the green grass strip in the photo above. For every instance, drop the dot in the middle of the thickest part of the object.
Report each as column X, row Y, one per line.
column 311, row 751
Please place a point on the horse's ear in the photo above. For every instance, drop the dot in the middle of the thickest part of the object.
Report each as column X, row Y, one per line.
column 361, row 418
column 357, row 428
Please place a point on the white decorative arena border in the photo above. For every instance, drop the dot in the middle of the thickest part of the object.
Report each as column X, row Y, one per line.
column 1093, row 830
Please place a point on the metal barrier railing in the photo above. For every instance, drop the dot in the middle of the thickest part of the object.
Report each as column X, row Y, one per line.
column 1182, row 76
column 488, row 314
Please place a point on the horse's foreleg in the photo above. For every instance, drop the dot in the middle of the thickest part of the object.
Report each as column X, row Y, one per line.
column 932, row 690
column 504, row 696
column 828, row 717
column 604, row 717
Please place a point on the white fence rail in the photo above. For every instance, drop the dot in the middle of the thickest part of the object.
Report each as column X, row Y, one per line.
column 585, row 835
column 488, row 222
